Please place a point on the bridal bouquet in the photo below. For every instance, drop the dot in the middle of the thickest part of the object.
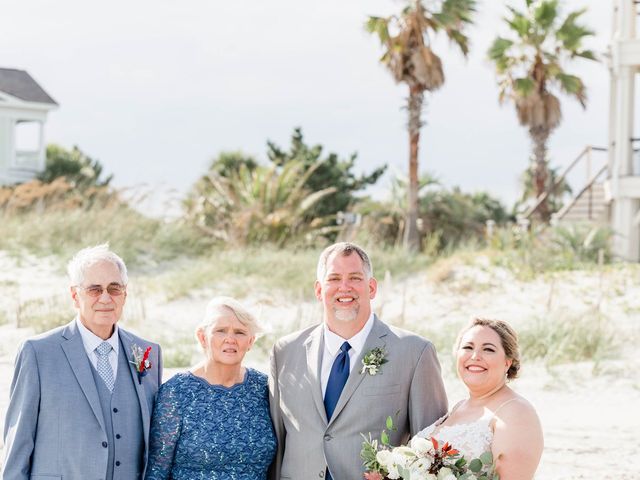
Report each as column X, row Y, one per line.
column 421, row 459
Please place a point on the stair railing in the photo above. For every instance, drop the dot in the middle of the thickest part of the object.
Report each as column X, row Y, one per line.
column 586, row 153
column 556, row 217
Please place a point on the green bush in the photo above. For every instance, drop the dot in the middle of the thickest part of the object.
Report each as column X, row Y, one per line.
column 331, row 172
column 259, row 205
column 75, row 166
column 449, row 218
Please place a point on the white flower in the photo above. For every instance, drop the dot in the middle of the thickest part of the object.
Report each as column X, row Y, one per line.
column 446, row 474
column 420, row 469
column 402, row 456
column 373, row 360
column 385, row 459
column 417, row 474
column 422, row 464
column 421, row 445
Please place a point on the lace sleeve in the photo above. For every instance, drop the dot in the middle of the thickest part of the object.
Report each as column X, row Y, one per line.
column 166, row 425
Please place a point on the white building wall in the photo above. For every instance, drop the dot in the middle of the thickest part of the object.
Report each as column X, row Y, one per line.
column 6, row 147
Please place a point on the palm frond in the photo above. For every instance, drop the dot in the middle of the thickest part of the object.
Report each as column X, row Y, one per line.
column 455, row 13
column 588, row 54
column 523, row 86
column 379, row 26
column 571, row 34
column 519, row 23
column 545, row 14
column 460, row 39
column 499, row 48
column 572, row 85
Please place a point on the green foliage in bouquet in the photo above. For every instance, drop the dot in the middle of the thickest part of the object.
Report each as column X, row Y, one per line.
column 421, row 459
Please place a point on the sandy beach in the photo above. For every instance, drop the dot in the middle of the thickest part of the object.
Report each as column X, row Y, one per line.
column 588, row 409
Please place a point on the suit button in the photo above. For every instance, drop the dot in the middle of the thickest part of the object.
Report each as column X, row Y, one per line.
column 321, row 474
column 117, row 463
column 105, row 444
column 115, row 410
column 118, row 436
column 327, row 437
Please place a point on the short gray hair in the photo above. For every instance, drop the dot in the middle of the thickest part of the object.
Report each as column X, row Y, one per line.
column 85, row 258
column 218, row 304
column 345, row 249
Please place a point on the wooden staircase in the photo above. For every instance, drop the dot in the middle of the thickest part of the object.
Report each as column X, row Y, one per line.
column 590, row 206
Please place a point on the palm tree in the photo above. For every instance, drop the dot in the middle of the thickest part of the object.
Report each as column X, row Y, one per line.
column 409, row 56
column 530, row 66
column 556, row 192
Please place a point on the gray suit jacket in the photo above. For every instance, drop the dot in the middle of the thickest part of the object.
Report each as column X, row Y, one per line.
column 409, row 388
column 54, row 427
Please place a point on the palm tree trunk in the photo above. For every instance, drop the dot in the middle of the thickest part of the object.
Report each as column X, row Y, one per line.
column 411, row 233
column 539, row 136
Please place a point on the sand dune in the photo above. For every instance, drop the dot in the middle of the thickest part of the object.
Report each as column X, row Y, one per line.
column 589, row 411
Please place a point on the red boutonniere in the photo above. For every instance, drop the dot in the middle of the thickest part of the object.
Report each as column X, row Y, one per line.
column 140, row 360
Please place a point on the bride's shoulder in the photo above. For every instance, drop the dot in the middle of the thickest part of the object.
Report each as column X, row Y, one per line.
column 515, row 409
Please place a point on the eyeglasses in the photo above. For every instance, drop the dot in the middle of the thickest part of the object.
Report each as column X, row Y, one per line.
column 113, row 289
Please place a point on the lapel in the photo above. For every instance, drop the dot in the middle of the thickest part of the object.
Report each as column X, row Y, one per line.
column 77, row 356
column 127, row 342
column 314, row 345
column 374, row 339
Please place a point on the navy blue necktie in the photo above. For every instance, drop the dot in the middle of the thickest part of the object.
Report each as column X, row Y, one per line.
column 337, row 379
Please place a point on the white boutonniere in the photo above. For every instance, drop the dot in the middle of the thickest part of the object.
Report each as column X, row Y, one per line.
column 373, row 361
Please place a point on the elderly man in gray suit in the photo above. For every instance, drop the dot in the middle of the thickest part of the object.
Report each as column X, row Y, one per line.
column 333, row 381
column 82, row 394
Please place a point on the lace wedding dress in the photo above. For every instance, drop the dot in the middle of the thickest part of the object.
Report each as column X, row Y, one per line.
column 472, row 439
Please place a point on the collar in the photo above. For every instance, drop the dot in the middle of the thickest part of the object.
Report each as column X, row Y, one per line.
column 333, row 341
column 91, row 340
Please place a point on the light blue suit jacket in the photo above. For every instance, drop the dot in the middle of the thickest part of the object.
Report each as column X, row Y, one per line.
column 54, row 427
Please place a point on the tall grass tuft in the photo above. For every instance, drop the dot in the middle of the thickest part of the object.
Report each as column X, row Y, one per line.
column 569, row 337
column 530, row 253
column 42, row 314
column 135, row 237
column 252, row 270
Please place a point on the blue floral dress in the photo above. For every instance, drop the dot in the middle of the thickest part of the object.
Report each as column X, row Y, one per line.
column 204, row 431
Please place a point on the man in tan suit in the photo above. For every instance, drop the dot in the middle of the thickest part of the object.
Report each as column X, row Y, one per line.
column 322, row 398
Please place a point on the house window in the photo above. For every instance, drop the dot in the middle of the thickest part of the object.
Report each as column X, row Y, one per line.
column 27, row 143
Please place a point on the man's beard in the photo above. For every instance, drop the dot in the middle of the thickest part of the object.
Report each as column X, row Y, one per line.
column 343, row 315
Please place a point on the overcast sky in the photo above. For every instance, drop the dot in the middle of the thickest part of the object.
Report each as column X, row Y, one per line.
column 155, row 89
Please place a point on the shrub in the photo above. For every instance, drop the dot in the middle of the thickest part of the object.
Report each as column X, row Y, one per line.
column 77, row 168
column 251, row 206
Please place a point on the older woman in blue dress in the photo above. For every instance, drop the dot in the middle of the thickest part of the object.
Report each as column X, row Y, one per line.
column 213, row 422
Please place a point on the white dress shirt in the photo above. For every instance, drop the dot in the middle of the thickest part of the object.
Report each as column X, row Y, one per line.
column 91, row 341
column 332, row 344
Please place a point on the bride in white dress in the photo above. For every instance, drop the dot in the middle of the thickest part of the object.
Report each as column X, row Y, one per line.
column 493, row 418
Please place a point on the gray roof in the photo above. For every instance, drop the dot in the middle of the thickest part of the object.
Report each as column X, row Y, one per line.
column 19, row 83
